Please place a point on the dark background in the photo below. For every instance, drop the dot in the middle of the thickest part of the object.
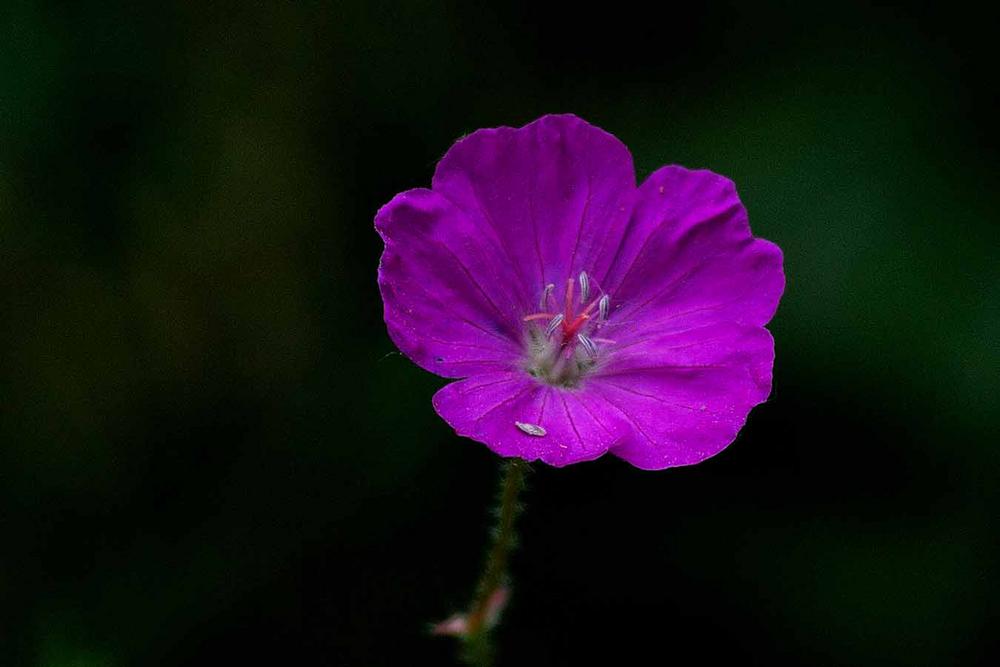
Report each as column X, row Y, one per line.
column 210, row 452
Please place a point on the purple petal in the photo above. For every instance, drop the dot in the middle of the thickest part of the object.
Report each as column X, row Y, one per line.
column 556, row 193
column 489, row 407
column 447, row 305
column 685, row 395
column 689, row 259
column 681, row 353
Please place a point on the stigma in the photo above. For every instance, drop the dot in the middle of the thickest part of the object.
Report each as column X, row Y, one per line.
column 561, row 345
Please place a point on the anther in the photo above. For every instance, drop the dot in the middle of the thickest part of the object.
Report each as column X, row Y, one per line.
column 553, row 324
column 584, row 287
column 588, row 344
column 545, row 296
column 603, row 306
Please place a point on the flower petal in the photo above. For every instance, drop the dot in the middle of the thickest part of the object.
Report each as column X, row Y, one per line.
column 489, row 407
column 685, row 395
column 445, row 304
column 689, row 259
column 556, row 193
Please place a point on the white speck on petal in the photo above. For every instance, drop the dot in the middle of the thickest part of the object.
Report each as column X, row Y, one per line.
column 531, row 429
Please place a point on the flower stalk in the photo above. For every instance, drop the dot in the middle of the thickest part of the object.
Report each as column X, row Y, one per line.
column 475, row 627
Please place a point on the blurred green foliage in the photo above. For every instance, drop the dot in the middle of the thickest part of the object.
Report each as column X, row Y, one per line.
column 209, row 450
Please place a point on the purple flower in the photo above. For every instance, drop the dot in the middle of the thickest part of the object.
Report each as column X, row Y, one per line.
column 584, row 314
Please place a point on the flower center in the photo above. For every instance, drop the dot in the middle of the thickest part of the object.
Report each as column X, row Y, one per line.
column 561, row 345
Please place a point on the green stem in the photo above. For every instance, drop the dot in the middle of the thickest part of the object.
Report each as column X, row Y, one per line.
column 478, row 648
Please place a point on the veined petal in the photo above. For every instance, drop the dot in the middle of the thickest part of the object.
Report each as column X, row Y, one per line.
column 685, row 395
column 446, row 303
column 657, row 356
column 556, row 193
column 568, row 426
column 689, row 259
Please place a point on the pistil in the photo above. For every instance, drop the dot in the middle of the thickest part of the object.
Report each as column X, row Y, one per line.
column 554, row 359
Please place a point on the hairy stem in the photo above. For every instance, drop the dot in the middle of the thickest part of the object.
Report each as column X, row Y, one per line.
column 490, row 591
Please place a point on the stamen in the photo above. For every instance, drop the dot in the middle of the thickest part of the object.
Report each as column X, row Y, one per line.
column 553, row 324
column 590, row 307
column 603, row 306
column 555, row 359
column 584, row 287
column 546, row 293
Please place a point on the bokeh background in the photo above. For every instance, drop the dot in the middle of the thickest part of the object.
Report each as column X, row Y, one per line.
column 210, row 452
